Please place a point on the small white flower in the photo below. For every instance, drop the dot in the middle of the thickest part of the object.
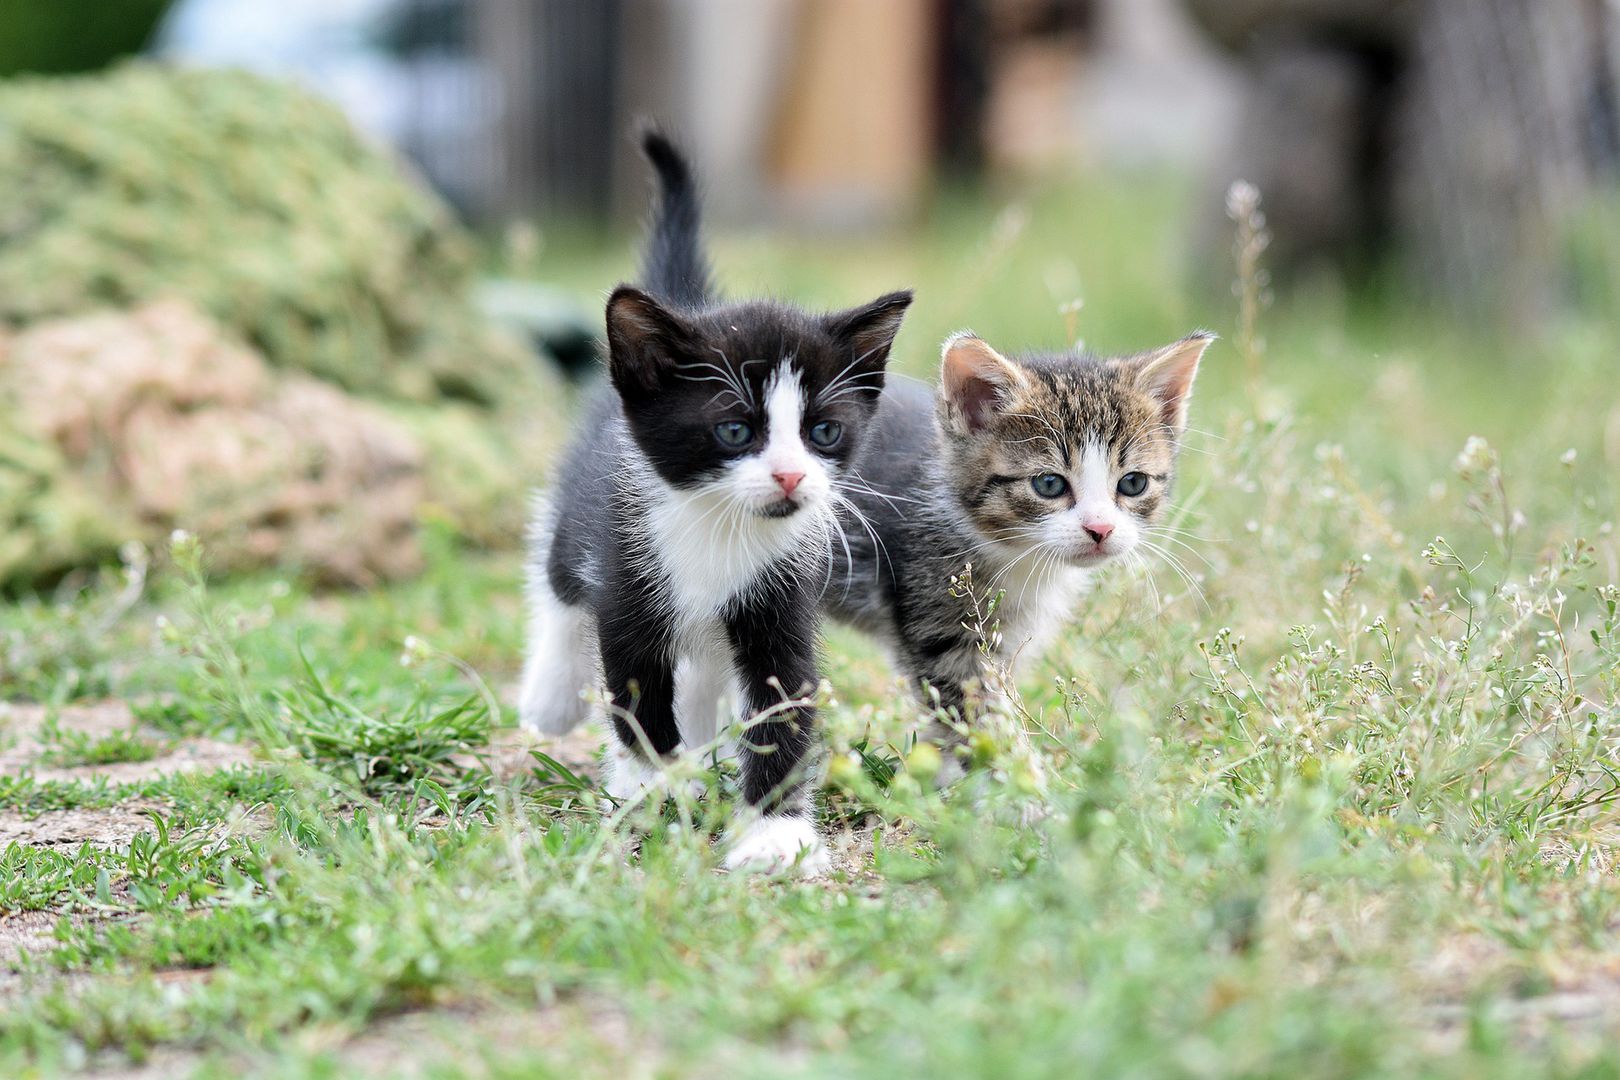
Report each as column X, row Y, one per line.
column 1476, row 454
column 415, row 650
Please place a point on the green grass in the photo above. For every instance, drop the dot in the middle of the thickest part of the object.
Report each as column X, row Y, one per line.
column 69, row 748
column 1340, row 803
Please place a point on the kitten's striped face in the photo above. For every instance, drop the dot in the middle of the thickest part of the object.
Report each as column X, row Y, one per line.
column 1067, row 454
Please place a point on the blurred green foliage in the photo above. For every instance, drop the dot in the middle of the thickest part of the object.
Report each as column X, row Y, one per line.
column 62, row 36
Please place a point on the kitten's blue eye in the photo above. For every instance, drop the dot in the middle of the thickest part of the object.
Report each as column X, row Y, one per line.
column 1049, row 485
column 1132, row 483
column 733, row 433
column 827, row 433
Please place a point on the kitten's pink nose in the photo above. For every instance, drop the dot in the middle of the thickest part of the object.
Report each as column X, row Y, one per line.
column 787, row 481
column 1098, row 531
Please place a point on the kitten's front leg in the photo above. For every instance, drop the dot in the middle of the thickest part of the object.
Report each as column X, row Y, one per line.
column 773, row 644
column 640, row 676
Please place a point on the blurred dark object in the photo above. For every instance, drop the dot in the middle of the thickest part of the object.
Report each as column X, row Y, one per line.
column 58, row 37
column 961, row 84
column 1018, row 19
column 1243, row 24
column 415, row 27
column 552, row 321
column 1469, row 134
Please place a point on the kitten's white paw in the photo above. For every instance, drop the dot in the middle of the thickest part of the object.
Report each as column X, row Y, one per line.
column 772, row 845
column 625, row 774
column 548, row 710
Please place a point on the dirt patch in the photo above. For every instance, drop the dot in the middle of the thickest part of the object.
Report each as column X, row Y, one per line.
column 475, row 1039
column 1573, row 996
column 23, row 739
column 509, row 752
column 22, row 736
column 112, row 826
column 577, row 1037
column 20, row 931
column 34, row 932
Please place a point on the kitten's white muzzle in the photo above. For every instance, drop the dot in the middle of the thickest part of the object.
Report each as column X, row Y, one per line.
column 1075, row 535
column 784, row 477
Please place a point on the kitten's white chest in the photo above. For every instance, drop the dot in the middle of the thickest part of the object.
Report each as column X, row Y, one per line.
column 1036, row 603
column 711, row 551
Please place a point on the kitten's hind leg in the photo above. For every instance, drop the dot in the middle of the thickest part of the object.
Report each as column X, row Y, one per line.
column 561, row 666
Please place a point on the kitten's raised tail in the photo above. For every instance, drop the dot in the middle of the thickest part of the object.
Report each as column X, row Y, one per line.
column 674, row 267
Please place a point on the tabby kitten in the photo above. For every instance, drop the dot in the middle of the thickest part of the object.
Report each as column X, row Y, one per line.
column 1034, row 469
column 683, row 553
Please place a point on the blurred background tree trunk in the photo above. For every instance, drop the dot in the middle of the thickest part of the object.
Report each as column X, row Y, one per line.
column 555, row 65
column 1504, row 132
column 1472, row 135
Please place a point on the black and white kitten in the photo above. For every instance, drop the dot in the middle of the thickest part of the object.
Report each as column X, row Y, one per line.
column 686, row 545
column 1035, row 469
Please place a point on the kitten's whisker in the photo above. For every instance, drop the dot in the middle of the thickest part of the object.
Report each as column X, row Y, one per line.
column 1206, row 434
column 1171, row 530
column 847, row 392
column 727, row 390
column 1175, row 565
column 1036, row 547
column 1167, row 554
column 860, row 484
column 1140, row 565
column 880, row 550
column 746, row 364
column 1047, row 552
column 843, row 377
column 840, row 379
column 1191, row 551
column 827, row 539
column 998, row 541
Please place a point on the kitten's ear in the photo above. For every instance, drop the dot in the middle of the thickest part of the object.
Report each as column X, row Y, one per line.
column 976, row 380
column 1168, row 373
column 870, row 331
column 645, row 340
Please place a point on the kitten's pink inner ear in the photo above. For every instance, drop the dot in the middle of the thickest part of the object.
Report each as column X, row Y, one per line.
column 1168, row 375
column 642, row 335
column 976, row 379
column 633, row 315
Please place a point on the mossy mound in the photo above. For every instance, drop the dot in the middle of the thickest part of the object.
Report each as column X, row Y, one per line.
column 293, row 248
column 255, row 201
